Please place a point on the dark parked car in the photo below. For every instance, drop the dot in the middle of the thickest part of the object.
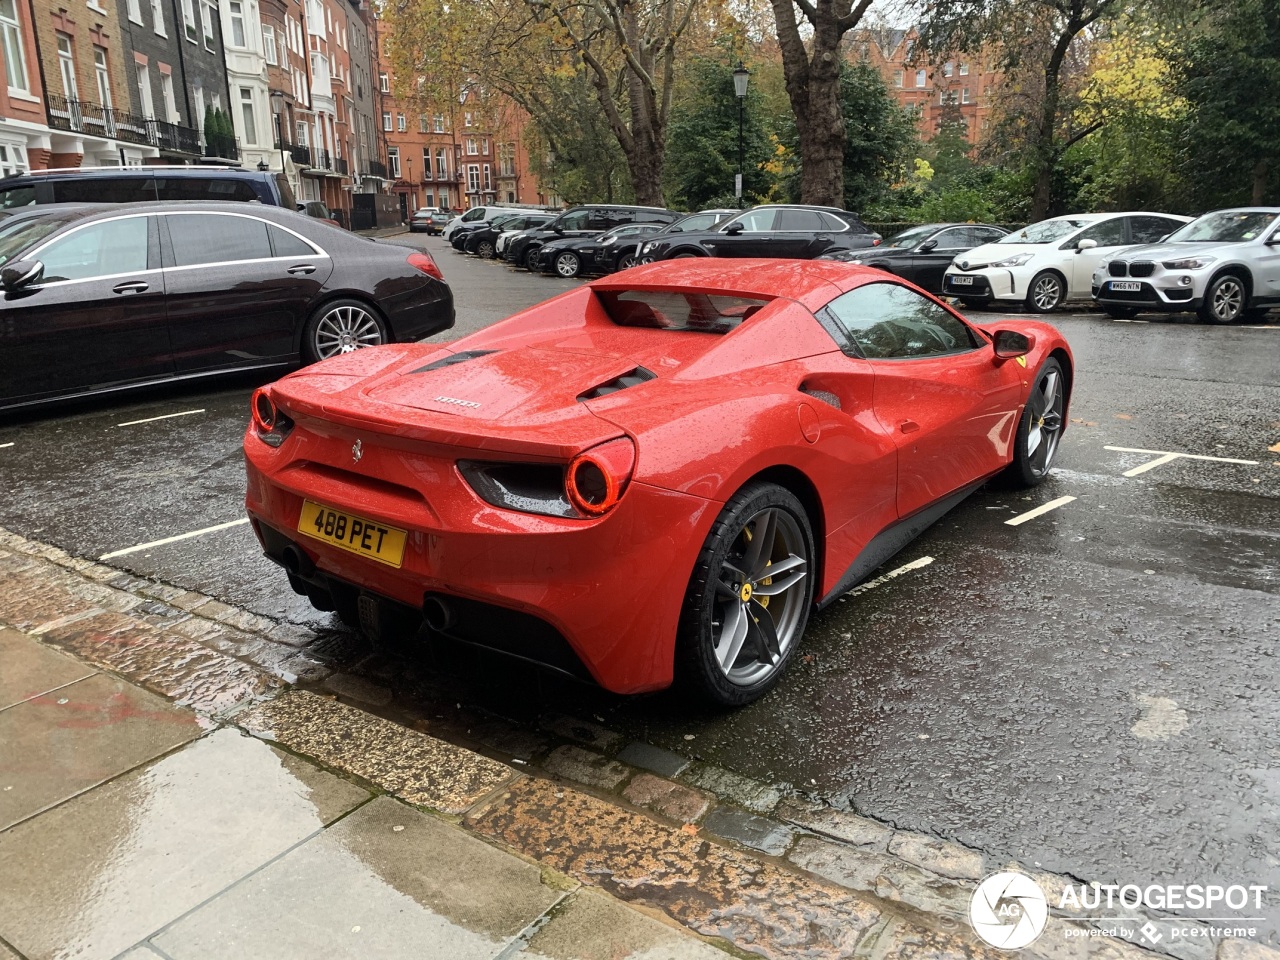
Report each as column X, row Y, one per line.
column 458, row 237
column 420, row 222
column 140, row 184
column 689, row 223
column 922, row 254
column 783, row 231
column 107, row 298
column 574, row 255
column 483, row 241
column 585, row 221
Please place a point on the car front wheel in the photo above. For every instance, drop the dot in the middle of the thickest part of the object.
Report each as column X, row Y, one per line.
column 1040, row 428
column 626, row 261
column 485, row 250
column 749, row 598
column 1046, row 293
column 1225, row 301
column 342, row 326
column 568, row 264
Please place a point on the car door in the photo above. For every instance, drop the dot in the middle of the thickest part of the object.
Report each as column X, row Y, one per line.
column 96, row 317
column 240, row 289
column 928, row 265
column 799, row 235
column 747, row 235
column 950, row 405
column 1109, row 236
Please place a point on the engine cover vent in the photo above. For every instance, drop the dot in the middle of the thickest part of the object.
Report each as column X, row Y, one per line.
column 630, row 379
column 452, row 359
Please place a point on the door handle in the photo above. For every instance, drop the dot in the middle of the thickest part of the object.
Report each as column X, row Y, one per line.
column 302, row 268
column 908, row 426
column 131, row 286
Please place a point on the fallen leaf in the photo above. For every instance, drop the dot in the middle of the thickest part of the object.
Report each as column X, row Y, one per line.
column 1275, row 449
column 691, row 829
column 1123, row 416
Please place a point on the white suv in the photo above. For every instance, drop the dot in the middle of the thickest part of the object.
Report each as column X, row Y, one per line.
column 1225, row 266
column 1052, row 261
column 484, row 213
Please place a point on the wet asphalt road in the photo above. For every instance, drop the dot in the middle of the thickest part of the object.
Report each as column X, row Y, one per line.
column 1094, row 692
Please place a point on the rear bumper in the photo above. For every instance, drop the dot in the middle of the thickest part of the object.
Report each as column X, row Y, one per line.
column 611, row 589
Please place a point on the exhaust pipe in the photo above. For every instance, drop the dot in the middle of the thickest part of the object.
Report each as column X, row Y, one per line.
column 437, row 613
column 297, row 562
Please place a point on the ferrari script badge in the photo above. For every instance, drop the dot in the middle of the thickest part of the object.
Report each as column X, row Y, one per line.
column 357, row 452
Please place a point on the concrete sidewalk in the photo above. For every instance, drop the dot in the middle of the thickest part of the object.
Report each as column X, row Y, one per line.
column 170, row 787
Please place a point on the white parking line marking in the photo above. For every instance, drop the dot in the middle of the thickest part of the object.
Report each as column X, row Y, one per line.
column 167, row 416
column 1168, row 456
column 181, row 536
column 3, row 445
column 1042, row 509
column 878, row 581
column 1124, row 320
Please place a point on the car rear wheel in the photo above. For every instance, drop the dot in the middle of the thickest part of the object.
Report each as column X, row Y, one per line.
column 1225, row 301
column 1046, row 293
column 485, row 250
column 531, row 258
column 1040, row 428
column 749, row 598
column 684, row 256
column 342, row 326
column 568, row 264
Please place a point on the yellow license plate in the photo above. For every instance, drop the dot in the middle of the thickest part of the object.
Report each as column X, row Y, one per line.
column 368, row 538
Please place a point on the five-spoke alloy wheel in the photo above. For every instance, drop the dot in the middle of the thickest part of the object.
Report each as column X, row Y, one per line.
column 1046, row 293
column 750, row 595
column 341, row 327
column 1041, row 426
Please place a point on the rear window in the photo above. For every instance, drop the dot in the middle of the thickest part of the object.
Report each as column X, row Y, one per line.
column 678, row 310
column 103, row 189
column 204, row 188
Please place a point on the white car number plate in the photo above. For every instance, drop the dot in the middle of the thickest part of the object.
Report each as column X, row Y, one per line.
column 1125, row 285
column 962, row 281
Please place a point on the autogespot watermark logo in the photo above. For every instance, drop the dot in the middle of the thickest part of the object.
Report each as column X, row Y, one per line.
column 1008, row 910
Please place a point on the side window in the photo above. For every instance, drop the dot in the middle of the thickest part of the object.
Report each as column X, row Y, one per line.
column 17, row 197
column 204, row 188
column 1151, row 229
column 285, row 244
column 215, row 238
column 794, row 221
column 475, row 213
column 957, row 238
column 98, row 250
column 887, row 322
column 756, row 221
column 835, row 224
column 983, row 235
column 104, row 189
column 599, row 218
column 577, row 220
column 1109, row 233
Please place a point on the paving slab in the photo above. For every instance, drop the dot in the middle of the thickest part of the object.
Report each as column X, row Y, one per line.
column 397, row 883
column 28, row 669
column 654, row 759
column 670, row 799
column 584, row 766
column 409, row 764
column 106, row 870
column 759, row 833
column 592, row 926
column 61, row 743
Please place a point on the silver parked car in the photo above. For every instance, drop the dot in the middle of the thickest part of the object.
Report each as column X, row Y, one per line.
column 1225, row 266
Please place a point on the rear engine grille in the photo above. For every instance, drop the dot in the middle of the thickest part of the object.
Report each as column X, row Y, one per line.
column 630, row 379
column 452, row 359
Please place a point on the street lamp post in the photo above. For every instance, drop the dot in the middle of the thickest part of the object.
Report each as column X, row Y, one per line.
column 277, row 108
column 740, row 77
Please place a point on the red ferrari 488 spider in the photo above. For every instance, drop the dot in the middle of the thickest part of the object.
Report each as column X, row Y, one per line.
column 657, row 475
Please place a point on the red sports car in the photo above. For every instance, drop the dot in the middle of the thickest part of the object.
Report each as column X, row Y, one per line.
column 658, row 475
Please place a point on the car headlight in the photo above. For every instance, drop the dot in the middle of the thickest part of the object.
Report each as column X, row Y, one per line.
column 1102, row 266
column 1189, row 263
column 1014, row 261
column 608, row 240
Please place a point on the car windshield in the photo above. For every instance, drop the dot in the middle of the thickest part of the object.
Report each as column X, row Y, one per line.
column 677, row 310
column 909, row 238
column 17, row 235
column 1225, row 226
column 1046, row 231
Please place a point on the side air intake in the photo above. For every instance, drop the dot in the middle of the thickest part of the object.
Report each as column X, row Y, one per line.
column 630, row 379
column 826, row 396
column 452, row 359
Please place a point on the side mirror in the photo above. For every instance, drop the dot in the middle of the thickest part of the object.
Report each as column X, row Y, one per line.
column 1010, row 344
column 301, row 206
column 20, row 273
column 733, row 229
column 1272, row 240
column 559, row 230
column 927, row 246
column 1086, row 244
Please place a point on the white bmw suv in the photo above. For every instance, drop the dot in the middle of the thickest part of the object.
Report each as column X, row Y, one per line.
column 1052, row 261
column 1225, row 266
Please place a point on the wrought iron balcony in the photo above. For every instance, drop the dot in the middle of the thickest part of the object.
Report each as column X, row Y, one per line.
column 375, row 168
column 94, row 119
column 340, row 166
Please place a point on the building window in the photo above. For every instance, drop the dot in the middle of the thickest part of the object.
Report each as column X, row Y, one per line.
column 473, row 178
column 921, row 78
column 237, row 23
column 143, row 76
column 13, row 159
column 393, row 162
column 948, row 68
column 157, row 11
column 439, row 123
column 897, row 78
column 135, row 11
column 170, row 104
column 964, row 69
column 197, row 95
column 189, row 19
column 422, row 123
column 67, row 64
column 401, row 126
column 507, row 160
column 304, row 136
column 426, row 166
column 964, row 95
column 442, row 170
column 209, row 13
column 384, row 83
column 471, row 146
column 488, row 178
column 269, row 43
column 15, row 61
column 386, row 122
column 250, row 120
column 103, row 76
column 466, row 118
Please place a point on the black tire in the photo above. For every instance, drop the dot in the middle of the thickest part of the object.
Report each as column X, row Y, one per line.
column 761, row 652
column 484, row 249
column 626, row 261
column 341, row 326
column 530, row 259
column 1225, row 300
column 567, row 264
column 1046, row 292
column 1120, row 313
column 975, row 303
column 683, row 256
column 1033, row 456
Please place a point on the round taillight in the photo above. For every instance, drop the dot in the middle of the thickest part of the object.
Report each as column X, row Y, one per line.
column 264, row 411
column 596, row 479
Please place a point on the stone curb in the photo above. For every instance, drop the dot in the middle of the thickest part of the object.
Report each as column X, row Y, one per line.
column 231, row 664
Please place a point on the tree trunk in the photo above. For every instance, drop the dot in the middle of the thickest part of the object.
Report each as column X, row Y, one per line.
column 1260, row 171
column 1046, row 151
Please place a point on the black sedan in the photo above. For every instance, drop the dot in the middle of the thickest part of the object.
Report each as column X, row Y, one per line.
column 781, row 231
column 689, row 223
column 574, row 255
column 463, row 231
column 107, row 298
column 922, row 254
column 483, row 238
